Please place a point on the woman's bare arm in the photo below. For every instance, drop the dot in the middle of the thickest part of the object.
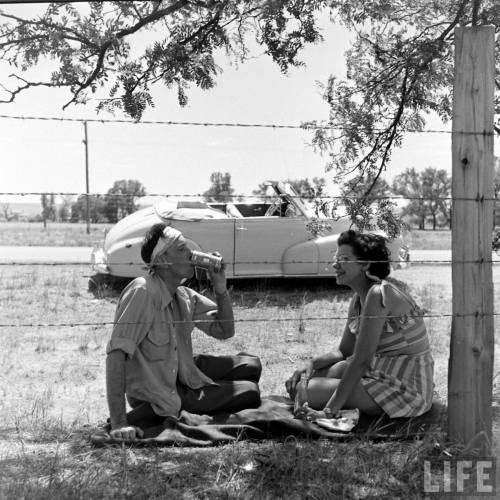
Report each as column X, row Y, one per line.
column 370, row 328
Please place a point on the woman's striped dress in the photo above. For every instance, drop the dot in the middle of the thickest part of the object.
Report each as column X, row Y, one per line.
column 401, row 384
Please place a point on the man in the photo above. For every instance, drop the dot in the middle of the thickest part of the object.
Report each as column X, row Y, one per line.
column 149, row 356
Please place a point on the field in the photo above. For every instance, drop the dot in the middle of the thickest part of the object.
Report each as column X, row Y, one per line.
column 55, row 234
column 66, row 234
column 53, row 396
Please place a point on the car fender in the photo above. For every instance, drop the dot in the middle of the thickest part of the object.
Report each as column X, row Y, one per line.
column 311, row 257
column 124, row 257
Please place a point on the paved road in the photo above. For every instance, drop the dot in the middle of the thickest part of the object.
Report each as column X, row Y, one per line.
column 81, row 255
column 437, row 256
column 27, row 255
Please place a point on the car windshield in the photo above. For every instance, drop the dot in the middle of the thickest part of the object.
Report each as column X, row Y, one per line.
column 296, row 200
column 186, row 209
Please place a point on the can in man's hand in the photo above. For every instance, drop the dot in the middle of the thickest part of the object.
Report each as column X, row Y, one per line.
column 206, row 261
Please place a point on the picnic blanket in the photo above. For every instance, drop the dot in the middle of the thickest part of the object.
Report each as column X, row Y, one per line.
column 273, row 419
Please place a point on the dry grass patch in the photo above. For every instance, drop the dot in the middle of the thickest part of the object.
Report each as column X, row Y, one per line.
column 56, row 234
column 53, row 395
column 430, row 240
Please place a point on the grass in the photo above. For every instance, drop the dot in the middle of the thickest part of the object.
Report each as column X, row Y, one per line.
column 53, row 395
column 67, row 234
column 55, row 234
column 430, row 240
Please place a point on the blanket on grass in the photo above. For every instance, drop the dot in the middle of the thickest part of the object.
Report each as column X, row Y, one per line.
column 273, row 419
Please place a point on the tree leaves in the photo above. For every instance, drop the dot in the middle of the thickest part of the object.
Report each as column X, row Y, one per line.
column 90, row 45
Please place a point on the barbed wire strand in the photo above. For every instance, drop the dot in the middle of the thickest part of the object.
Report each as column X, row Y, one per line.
column 478, row 198
column 327, row 262
column 305, row 126
column 246, row 320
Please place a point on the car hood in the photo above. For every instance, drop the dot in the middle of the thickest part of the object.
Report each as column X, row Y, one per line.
column 133, row 226
column 136, row 224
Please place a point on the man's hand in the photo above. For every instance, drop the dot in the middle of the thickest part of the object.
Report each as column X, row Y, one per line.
column 127, row 433
column 218, row 279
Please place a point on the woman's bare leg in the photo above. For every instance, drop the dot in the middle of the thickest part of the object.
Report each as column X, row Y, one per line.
column 334, row 371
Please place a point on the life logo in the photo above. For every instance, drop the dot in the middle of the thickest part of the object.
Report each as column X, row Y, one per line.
column 464, row 476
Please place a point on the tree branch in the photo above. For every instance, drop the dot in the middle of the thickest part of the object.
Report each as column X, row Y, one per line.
column 45, row 24
column 475, row 10
column 13, row 93
column 154, row 16
column 392, row 129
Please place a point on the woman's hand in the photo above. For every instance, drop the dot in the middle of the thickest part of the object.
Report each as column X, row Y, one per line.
column 306, row 413
column 291, row 383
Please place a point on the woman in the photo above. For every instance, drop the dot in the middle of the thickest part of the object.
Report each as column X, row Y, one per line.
column 383, row 363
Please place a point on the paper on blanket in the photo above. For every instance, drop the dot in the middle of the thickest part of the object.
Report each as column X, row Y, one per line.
column 346, row 422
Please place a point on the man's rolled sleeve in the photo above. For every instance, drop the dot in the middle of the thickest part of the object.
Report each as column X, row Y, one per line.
column 204, row 312
column 133, row 320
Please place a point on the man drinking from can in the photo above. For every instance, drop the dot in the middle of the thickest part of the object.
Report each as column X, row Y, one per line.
column 150, row 359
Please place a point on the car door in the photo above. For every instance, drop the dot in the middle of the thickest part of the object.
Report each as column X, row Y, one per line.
column 261, row 241
column 211, row 235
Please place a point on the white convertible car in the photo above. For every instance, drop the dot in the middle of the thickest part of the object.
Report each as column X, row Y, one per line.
column 256, row 240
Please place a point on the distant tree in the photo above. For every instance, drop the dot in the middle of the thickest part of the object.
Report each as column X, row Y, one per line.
column 437, row 188
column 48, row 208
column 64, row 212
column 7, row 213
column 426, row 192
column 408, row 184
column 120, row 200
column 97, row 206
column 221, row 189
column 308, row 189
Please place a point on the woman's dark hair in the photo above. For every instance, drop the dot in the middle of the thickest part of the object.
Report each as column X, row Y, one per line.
column 369, row 246
column 150, row 240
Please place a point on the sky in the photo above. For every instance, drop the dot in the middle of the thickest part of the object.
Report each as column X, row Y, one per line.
column 178, row 159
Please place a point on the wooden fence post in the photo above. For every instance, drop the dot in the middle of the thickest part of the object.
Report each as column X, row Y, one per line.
column 470, row 375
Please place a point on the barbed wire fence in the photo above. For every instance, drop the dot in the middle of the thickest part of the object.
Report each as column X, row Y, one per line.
column 469, row 410
column 230, row 198
column 227, row 198
column 293, row 319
